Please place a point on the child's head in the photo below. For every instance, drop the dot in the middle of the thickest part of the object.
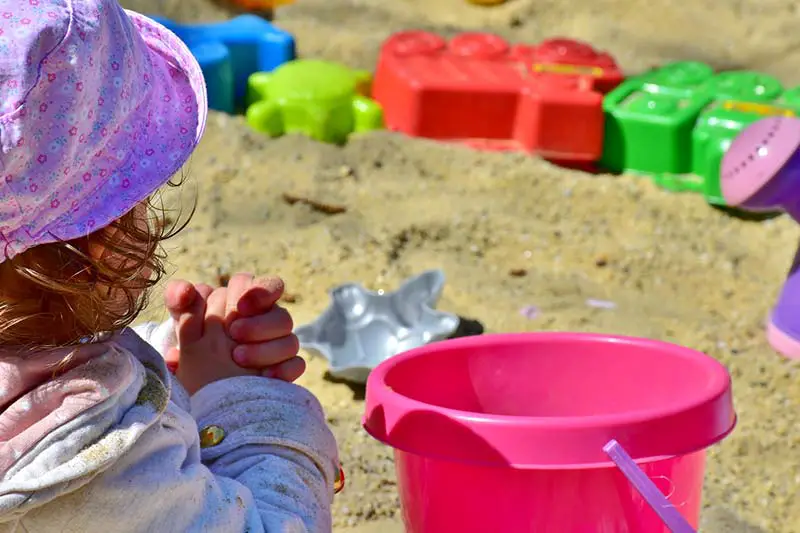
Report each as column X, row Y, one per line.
column 99, row 108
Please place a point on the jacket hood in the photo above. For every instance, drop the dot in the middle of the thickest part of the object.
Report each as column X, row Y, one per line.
column 61, row 412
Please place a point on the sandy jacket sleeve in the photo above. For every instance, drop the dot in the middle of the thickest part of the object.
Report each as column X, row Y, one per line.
column 277, row 444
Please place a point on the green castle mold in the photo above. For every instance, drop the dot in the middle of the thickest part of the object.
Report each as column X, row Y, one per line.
column 675, row 123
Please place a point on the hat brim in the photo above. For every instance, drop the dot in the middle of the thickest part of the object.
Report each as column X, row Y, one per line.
column 169, row 126
column 164, row 42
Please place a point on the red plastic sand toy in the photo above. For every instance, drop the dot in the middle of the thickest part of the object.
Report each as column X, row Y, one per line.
column 479, row 90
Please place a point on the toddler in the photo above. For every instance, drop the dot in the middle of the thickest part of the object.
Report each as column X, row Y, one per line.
column 99, row 108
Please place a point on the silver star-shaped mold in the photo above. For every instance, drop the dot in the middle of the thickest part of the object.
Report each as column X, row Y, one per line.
column 362, row 328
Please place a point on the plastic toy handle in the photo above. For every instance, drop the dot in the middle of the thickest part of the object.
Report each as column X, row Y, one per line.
column 665, row 510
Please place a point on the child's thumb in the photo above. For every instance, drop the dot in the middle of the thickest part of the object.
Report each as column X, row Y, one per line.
column 178, row 297
column 186, row 304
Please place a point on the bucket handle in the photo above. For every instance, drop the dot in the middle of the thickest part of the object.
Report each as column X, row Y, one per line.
column 648, row 490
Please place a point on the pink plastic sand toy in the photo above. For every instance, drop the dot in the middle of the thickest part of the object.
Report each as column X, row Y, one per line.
column 761, row 172
column 505, row 433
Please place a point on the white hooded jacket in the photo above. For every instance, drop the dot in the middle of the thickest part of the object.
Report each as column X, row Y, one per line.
column 109, row 443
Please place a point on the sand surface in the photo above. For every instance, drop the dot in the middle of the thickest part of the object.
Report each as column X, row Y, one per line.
column 675, row 268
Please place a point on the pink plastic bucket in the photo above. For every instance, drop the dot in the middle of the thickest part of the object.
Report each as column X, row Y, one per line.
column 505, row 433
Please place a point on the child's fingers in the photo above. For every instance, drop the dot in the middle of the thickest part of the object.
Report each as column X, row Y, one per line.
column 178, row 296
column 264, row 354
column 188, row 308
column 272, row 324
column 204, row 290
column 264, row 292
column 215, row 311
column 237, row 286
column 290, row 370
column 190, row 320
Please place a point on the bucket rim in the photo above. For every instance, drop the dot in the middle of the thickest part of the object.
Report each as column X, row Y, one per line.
column 647, row 434
column 608, row 464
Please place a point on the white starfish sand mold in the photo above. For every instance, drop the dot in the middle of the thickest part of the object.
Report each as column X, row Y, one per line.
column 361, row 328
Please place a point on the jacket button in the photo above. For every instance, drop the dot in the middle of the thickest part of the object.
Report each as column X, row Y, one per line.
column 211, row 436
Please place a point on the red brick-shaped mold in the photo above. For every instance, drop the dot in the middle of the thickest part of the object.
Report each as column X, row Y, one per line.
column 480, row 90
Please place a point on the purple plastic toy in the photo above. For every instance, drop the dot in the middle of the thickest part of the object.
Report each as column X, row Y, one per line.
column 761, row 172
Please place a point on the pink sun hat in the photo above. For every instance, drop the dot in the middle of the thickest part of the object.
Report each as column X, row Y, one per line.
column 99, row 107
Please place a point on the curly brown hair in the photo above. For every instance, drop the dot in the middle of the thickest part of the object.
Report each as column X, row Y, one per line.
column 63, row 293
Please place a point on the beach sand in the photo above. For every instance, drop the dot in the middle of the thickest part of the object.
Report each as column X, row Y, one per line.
column 675, row 268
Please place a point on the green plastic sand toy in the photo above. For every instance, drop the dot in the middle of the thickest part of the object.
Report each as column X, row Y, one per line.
column 675, row 123
column 323, row 100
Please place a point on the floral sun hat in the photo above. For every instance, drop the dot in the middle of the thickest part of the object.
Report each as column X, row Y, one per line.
column 99, row 107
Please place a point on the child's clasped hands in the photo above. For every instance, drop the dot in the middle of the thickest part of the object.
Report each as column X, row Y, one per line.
column 232, row 331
